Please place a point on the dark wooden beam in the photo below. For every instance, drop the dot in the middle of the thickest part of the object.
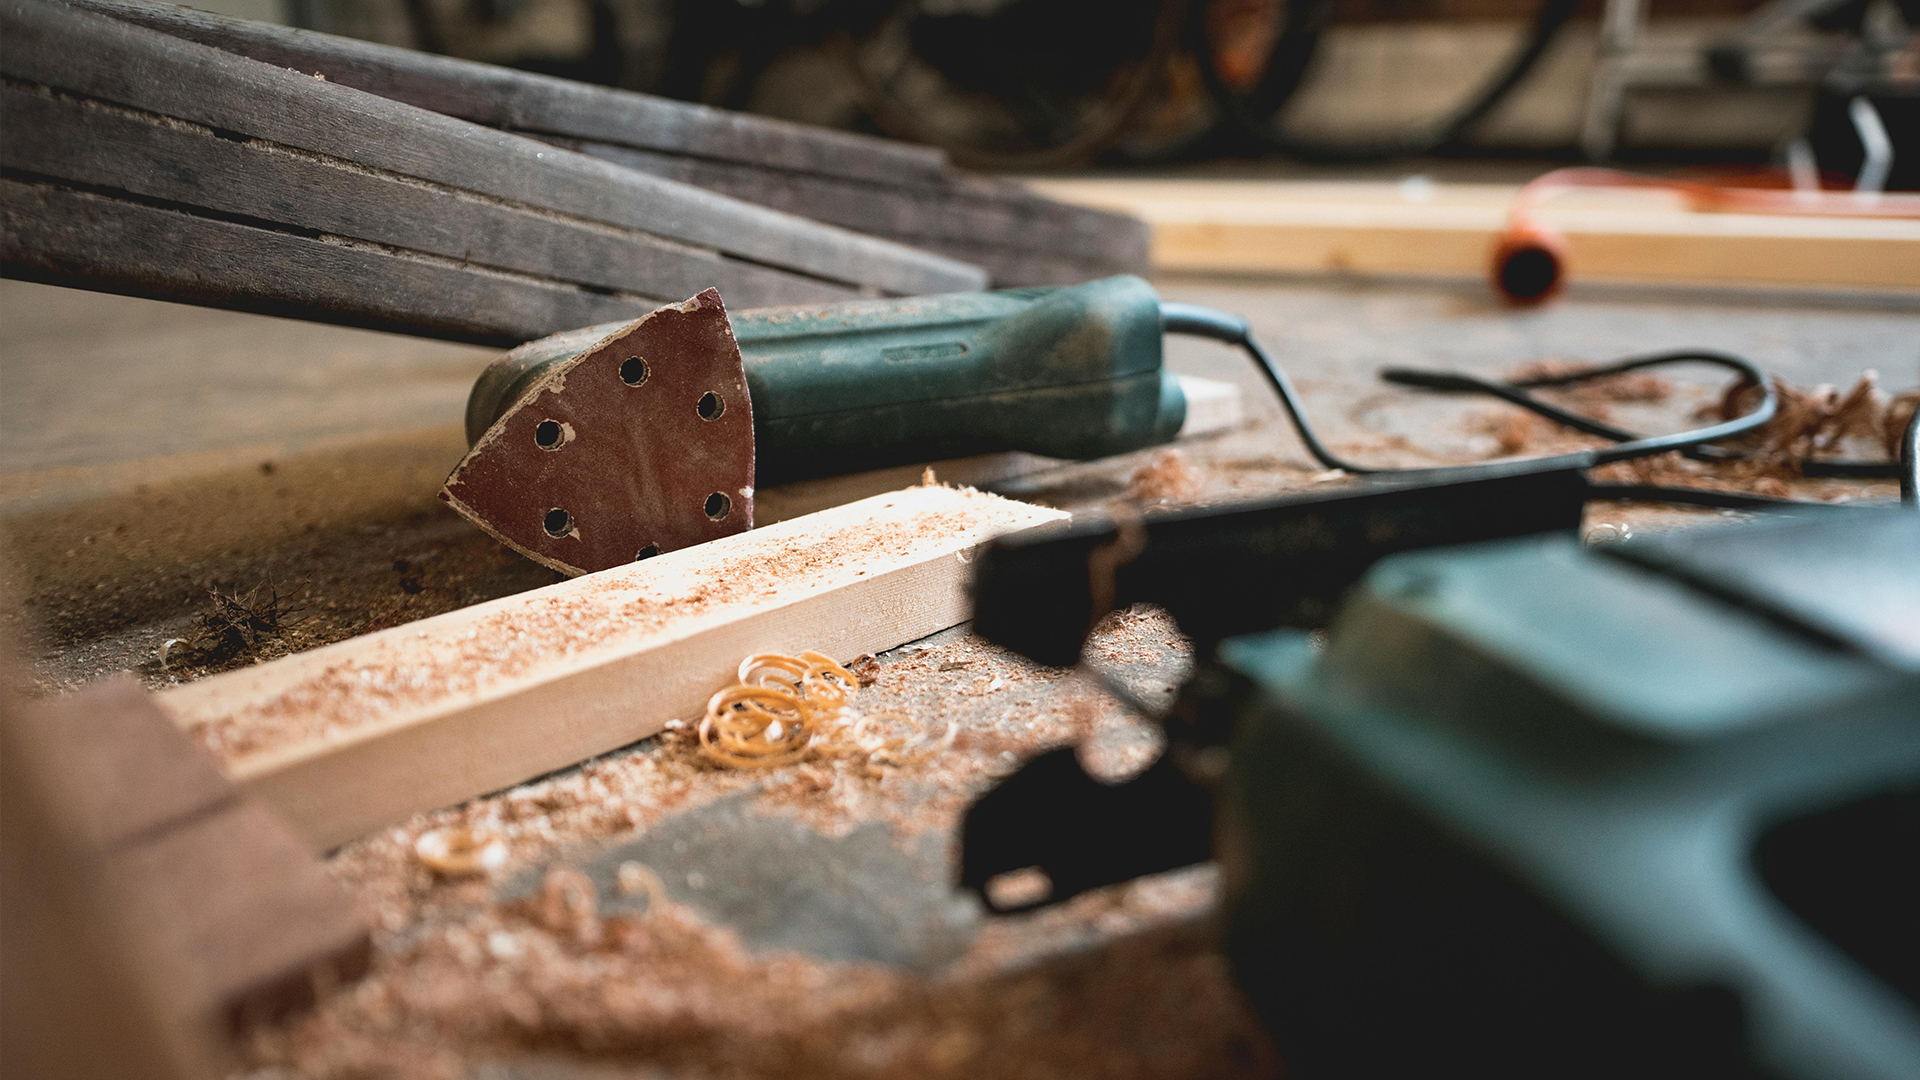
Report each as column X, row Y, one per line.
column 217, row 916
column 874, row 186
column 137, row 162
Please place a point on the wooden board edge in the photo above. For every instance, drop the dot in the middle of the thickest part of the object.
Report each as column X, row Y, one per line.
column 330, row 798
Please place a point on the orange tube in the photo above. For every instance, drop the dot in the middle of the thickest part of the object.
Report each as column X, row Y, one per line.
column 1529, row 263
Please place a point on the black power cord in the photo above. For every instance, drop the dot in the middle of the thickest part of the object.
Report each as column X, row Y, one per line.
column 1256, row 115
column 1197, row 321
column 1514, row 391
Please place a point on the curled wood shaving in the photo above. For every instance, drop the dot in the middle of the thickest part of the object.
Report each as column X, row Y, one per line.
column 1809, row 425
column 636, row 877
column 1818, row 422
column 457, row 852
column 772, row 716
column 1165, row 479
column 785, row 709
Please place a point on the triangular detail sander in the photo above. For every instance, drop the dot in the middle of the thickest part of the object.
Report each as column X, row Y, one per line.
column 594, row 447
column 597, row 449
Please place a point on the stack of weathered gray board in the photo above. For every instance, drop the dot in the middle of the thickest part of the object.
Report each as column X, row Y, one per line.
column 874, row 186
column 139, row 162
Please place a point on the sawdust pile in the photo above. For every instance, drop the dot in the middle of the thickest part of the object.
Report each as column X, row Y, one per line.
column 1865, row 423
column 945, row 723
column 550, row 976
column 234, row 624
column 525, row 633
column 1163, row 480
column 1810, row 425
column 462, row 976
column 1594, row 397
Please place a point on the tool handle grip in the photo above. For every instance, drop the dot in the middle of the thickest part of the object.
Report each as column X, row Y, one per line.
column 1068, row 372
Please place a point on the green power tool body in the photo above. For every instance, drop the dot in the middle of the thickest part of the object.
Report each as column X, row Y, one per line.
column 1071, row 372
column 600, row 445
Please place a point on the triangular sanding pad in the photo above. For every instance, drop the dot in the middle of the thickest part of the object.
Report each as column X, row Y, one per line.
column 641, row 443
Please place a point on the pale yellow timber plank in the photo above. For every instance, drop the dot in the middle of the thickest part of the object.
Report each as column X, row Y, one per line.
column 1449, row 231
column 1212, row 407
column 348, row 738
column 791, row 500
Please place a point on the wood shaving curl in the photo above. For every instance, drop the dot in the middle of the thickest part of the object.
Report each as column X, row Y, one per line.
column 785, row 709
column 1165, row 479
column 1808, row 426
column 773, row 715
column 458, row 852
column 1813, row 423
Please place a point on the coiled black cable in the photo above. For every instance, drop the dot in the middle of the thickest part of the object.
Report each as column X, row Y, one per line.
column 1197, row 321
column 1514, row 391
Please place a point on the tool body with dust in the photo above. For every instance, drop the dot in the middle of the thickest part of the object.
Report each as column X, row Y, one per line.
column 1641, row 808
column 598, row 446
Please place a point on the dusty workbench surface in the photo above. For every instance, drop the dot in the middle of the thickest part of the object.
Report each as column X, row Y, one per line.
column 153, row 457
column 152, row 454
column 792, row 922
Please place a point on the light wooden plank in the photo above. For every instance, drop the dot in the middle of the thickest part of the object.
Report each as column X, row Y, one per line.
column 1212, row 407
column 1448, row 230
column 347, row 738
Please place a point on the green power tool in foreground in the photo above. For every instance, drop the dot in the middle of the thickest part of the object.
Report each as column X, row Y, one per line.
column 595, row 447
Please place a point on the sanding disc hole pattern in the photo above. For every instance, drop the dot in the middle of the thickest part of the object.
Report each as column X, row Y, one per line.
column 647, row 552
column 651, row 421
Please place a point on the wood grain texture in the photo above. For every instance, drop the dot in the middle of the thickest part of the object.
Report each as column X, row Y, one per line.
column 85, row 240
column 874, row 186
column 1381, row 229
column 123, row 112
column 1020, row 237
column 170, row 162
column 354, row 736
column 505, row 98
column 234, row 917
column 68, row 953
column 117, row 62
